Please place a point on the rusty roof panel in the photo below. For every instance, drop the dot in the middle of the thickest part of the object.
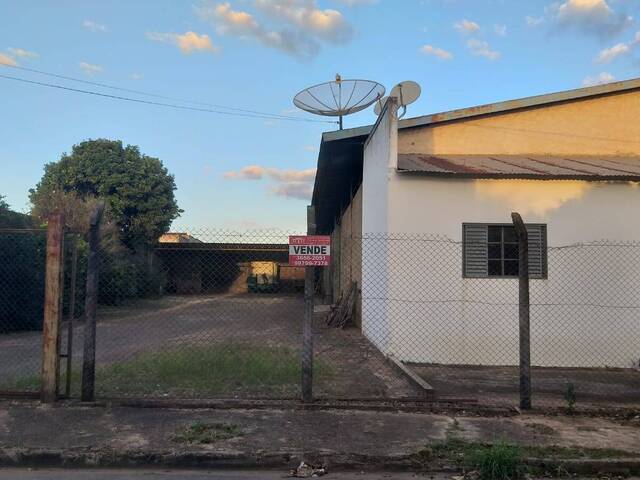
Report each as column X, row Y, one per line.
column 523, row 166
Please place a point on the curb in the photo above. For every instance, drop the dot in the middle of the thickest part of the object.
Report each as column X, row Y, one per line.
column 206, row 459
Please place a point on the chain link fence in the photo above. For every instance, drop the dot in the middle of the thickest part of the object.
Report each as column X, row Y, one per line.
column 218, row 314
column 22, row 268
column 461, row 335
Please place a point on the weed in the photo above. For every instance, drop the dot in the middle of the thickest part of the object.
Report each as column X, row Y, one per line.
column 500, row 461
column 570, row 398
column 206, row 433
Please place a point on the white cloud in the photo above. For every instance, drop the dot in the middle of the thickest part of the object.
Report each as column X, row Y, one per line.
column 90, row 68
column 22, row 53
column 296, row 190
column 500, row 30
column 482, row 49
column 7, row 60
column 303, row 25
column 93, row 26
column 290, row 183
column 436, row 52
column 187, row 42
column 589, row 16
column 621, row 49
column 609, row 54
column 136, row 76
column 534, row 21
column 604, row 77
column 466, row 26
column 353, row 3
column 328, row 24
column 257, row 172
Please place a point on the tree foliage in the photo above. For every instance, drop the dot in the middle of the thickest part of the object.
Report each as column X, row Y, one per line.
column 22, row 257
column 138, row 189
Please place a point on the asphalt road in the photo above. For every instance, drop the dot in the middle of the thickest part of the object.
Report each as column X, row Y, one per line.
column 16, row 474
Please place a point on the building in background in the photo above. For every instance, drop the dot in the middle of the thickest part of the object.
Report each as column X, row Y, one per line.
column 419, row 213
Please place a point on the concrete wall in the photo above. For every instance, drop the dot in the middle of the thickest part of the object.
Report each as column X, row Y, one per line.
column 380, row 160
column 417, row 306
column 443, row 318
column 605, row 125
column 346, row 241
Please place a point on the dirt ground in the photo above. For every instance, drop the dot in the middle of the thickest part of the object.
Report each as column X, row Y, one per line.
column 348, row 366
column 592, row 388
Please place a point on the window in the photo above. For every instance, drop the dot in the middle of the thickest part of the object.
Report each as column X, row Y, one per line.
column 491, row 250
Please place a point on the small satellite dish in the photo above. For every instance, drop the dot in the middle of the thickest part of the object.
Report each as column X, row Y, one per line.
column 339, row 98
column 377, row 109
column 407, row 92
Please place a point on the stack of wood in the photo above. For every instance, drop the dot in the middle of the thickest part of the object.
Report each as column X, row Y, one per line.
column 342, row 312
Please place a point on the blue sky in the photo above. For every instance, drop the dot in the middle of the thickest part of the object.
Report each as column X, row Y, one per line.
column 256, row 54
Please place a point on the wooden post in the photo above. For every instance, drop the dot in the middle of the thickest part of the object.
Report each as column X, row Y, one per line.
column 307, row 322
column 91, row 303
column 523, row 302
column 52, row 308
column 72, row 312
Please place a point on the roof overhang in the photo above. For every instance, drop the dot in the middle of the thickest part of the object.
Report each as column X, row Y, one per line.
column 539, row 167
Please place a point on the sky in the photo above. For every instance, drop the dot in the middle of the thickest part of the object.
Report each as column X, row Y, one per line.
column 247, row 172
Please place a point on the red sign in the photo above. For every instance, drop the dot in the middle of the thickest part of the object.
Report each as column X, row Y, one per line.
column 310, row 251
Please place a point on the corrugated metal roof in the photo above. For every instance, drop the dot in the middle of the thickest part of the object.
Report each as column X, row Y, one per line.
column 498, row 107
column 523, row 166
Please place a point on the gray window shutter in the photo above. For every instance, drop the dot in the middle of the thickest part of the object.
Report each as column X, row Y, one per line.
column 537, row 251
column 475, row 262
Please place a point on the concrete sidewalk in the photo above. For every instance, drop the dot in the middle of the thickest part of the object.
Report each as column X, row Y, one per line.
column 31, row 434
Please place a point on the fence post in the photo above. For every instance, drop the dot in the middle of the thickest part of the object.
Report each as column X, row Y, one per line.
column 523, row 311
column 52, row 308
column 307, row 322
column 72, row 312
column 91, row 303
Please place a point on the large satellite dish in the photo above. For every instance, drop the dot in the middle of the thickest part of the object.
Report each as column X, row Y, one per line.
column 339, row 98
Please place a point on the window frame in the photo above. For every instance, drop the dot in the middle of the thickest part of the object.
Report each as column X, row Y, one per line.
column 544, row 253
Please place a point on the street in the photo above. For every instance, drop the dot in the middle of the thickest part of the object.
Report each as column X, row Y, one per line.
column 22, row 474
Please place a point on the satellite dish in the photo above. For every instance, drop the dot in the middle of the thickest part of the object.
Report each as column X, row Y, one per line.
column 406, row 92
column 379, row 105
column 339, row 98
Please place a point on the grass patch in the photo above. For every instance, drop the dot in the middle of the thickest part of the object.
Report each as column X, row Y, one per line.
column 500, row 460
column 21, row 383
column 212, row 369
column 224, row 369
column 206, row 433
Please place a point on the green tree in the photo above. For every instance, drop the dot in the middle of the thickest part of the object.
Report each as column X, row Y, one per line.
column 11, row 219
column 138, row 189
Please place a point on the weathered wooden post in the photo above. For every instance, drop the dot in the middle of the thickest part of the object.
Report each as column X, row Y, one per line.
column 523, row 311
column 307, row 323
column 91, row 303
column 52, row 308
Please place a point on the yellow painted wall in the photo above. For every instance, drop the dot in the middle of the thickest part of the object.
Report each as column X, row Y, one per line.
column 606, row 125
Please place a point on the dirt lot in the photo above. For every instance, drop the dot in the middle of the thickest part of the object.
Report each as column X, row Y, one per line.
column 499, row 385
column 212, row 346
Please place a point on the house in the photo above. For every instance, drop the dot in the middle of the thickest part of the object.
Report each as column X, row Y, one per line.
column 419, row 214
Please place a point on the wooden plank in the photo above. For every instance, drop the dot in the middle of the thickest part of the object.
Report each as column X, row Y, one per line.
column 412, row 376
column 52, row 309
column 523, row 311
column 307, row 332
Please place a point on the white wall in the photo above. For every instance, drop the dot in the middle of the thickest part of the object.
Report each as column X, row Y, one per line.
column 380, row 159
column 434, row 315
